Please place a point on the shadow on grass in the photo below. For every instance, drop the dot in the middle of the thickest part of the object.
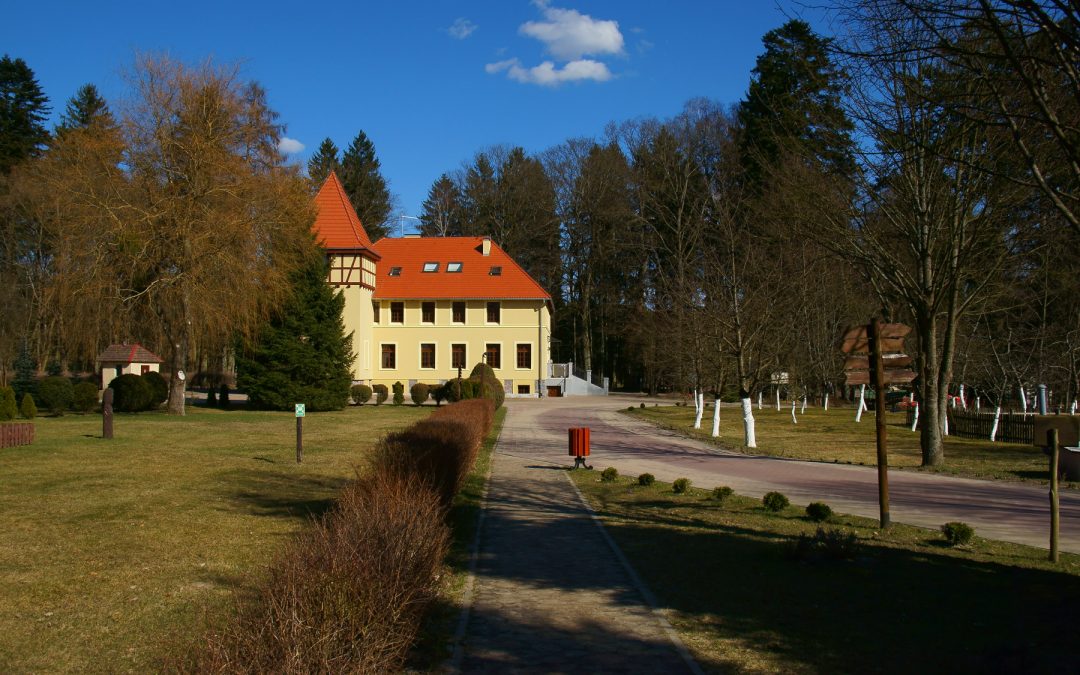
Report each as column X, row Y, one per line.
column 889, row 610
column 269, row 493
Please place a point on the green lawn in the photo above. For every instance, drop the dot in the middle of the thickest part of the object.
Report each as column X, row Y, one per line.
column 112, row 551
column 834, row 436
column 905, row 604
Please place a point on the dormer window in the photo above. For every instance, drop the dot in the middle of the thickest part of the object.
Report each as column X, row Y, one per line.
column 496, row 271
column 431, row 267
column 453, row 267
column 395, row 271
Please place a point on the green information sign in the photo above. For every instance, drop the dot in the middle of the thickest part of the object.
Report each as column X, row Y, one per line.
column 300, row 410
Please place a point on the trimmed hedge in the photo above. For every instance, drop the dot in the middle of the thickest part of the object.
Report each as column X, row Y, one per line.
column 159, row 388
column 419, row 393
column 55, row 394
column 360, row 393
column 85, row 397
column 131, row 393
column 381, row 393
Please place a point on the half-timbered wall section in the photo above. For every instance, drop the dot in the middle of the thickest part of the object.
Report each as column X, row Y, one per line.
column 351, row 269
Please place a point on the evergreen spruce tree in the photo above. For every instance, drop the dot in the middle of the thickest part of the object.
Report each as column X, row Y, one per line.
column 367, row 189
column 23, row 110
column 84, row 108
column 793, row 105
column 323, row 162
column 25, row 372
column 303, row 355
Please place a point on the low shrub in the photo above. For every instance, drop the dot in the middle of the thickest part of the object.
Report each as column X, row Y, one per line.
column 440, row 449
column 27, row 408
column 680, row 486
column 438, row 393
column 646, row 479
column 399, row 393
column 8, row 408
column 818, row 512
column 486, row 385
column 211, row 397
column 381, row 393
column 775, row 501
column 55, row 394
column 722, row 493
column 159, row 388
column 223, row 396
column 641, row 405
column 832, row 544
column 84, row 397
column 131, row 393
column 957, row 533
column 609, row 475
column 419, row 393
column 348, row 595
column 360, row 393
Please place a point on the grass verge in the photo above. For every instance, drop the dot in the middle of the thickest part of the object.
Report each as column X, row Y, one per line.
column 726, row 574
column 835, row 437
column 111, row 550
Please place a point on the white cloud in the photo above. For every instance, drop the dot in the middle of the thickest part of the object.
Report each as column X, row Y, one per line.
column 569, row 34
column 461, row 28
column 546, row 74
column 289, row 146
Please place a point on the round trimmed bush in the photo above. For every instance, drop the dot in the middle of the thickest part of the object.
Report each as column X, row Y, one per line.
column 609, row 475
column 486, row 385
column 419, row 393
column 84, row 397
column 680, row 486
column 957, row 533
column 818, row 512
column 360, row 393
column 721, row 493
column 27, row 408
column 775, row 501
column 381, row 393
column 55, row 394
column 646, row 479
column 131, row 393
column 159, row 388
column 399, row 393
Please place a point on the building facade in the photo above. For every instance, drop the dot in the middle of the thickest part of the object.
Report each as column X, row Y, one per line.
column 423, row 309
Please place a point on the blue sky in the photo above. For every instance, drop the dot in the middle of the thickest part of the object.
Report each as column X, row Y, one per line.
column 429, row 82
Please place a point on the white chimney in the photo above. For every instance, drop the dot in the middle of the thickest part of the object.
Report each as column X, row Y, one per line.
column 485, row 246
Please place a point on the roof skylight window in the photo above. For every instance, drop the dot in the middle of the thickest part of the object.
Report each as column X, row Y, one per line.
column 453, row 267
column 395, row 271
column 496, row 271
column 431, row 267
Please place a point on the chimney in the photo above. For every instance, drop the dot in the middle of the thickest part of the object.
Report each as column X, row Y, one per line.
column 485, row 246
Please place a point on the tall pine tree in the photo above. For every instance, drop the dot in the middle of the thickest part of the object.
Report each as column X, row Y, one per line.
column 441, row 215
column 323, row 162
column 85, row 108
column 23, row 110
column 793, row 106
column 303, row 355
column 366, row 187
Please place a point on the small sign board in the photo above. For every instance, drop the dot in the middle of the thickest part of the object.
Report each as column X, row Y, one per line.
column 855, row 344
column 300, row 409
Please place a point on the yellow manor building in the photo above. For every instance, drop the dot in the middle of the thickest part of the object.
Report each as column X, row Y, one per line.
column 423, row 309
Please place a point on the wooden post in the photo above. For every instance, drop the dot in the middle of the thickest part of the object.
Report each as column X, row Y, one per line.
column 877, row 369
column 107, row 413
column 299, row 439
column 1055, row 515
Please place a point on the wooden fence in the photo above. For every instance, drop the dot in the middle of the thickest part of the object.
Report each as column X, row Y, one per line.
column 1012, row 427
column 16, row 433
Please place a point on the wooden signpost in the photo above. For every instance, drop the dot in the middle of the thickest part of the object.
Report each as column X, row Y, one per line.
column 875, row 356
column 301, row 410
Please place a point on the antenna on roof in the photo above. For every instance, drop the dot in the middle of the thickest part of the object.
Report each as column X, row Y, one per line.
column 401, row 223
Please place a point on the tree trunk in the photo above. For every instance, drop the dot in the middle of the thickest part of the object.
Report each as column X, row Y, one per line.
column 716, row 418
column 749, row 437
column 699, row 405
column 933, row 399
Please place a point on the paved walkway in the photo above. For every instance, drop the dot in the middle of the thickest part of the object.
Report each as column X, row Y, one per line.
column 551, row 594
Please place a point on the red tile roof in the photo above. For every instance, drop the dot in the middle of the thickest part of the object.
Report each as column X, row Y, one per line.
column 125, row 353
column 472, row 282
column 337, row 226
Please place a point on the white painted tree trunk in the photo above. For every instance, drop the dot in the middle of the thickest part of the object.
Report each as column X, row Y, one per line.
column 803, row 411
column 716, row 418
column 759, row 400
column 826, row 401
column 977, row 404
column 945, row 424
column 693, row 395
column 1073, row 412
column 963, row 402
column 749, row 438
column 778, row 399
column 1023, row 399
column 994, row 428
column 915, row 418
column 794, row 420
column 699, row 404
column 862, row 403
